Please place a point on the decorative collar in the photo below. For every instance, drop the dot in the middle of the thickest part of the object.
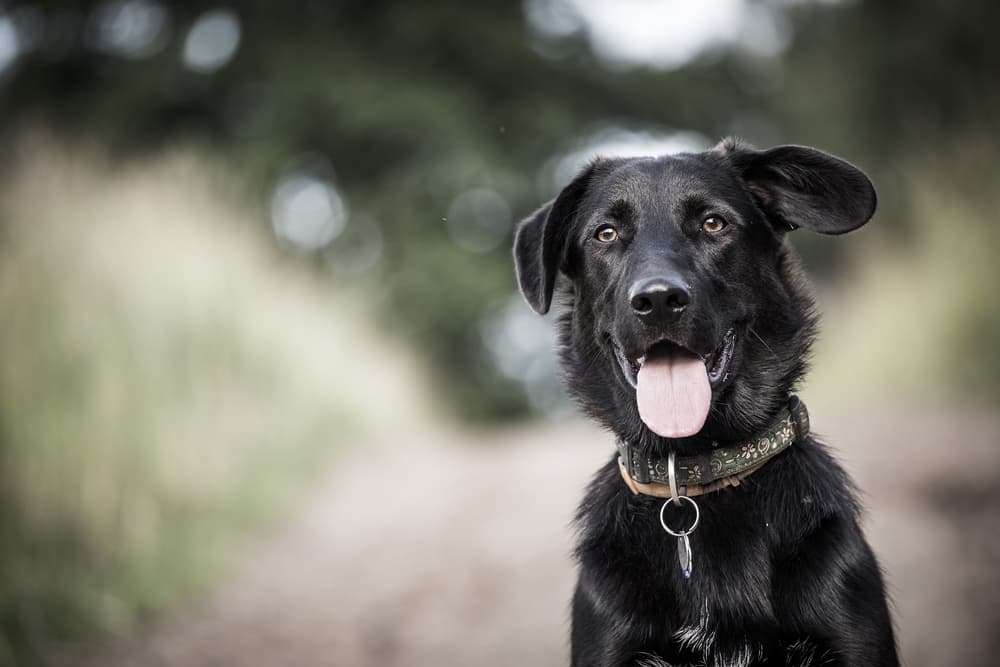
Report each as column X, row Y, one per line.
column 718, row 468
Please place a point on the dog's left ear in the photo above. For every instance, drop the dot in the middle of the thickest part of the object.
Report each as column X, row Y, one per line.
column 541, row 240
column 797, row 186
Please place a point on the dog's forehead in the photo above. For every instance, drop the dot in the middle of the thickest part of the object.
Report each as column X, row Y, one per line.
column 666, row 178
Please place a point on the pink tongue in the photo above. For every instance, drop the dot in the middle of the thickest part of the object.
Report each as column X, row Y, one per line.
column 673, row 392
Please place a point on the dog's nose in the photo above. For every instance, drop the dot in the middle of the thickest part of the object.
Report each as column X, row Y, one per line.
column 658, row 299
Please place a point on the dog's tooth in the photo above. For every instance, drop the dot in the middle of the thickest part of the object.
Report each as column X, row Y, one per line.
column 641, row 360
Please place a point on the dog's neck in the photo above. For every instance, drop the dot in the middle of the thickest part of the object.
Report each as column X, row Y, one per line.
column 719, row 466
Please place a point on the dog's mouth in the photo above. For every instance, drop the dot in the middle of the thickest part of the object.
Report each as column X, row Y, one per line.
column 716, row 362
column 674, row 385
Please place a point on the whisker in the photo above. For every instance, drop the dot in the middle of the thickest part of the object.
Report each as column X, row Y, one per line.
column 757, row 336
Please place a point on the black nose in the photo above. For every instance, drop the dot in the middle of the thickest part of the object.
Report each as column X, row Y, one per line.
column 658, row 299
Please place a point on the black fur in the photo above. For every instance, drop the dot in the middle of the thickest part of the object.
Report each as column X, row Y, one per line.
column 783, row 574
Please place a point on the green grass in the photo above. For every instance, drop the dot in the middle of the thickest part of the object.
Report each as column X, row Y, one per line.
column 169, row 382
column 918, row 315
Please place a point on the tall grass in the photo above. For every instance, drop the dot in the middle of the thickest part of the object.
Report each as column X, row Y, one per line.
column 918, row 315
column 167, row 381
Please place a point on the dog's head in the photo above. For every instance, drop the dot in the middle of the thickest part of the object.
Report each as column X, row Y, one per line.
column 687, row 315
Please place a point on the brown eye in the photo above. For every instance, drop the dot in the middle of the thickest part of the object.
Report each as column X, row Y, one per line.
column 713, row 224
column 606, row 234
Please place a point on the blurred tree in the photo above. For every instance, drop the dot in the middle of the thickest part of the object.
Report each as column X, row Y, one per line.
column 892, row 83
column 419, row 113
column 415, row 103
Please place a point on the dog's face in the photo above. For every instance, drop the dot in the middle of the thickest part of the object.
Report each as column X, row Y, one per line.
column 686, row 313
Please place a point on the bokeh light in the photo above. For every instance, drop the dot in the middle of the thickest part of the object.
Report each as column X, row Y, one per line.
column 307, row 212
column 130, row 28
column 522, row 346
column 614, row 142
column 9, row 45
column 666, row 34
column 212, row 41
column 478, row 220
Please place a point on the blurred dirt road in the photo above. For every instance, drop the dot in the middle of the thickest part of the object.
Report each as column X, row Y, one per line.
column 447, row 552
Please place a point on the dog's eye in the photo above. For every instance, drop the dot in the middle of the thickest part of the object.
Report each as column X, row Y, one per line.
column 606, row 234
column 713, row 224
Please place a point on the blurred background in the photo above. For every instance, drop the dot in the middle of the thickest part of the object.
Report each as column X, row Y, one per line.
column 268, row 394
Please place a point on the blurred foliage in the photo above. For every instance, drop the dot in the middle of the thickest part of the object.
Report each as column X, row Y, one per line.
column 414, row 103
column 169, row 376
column 168, row 382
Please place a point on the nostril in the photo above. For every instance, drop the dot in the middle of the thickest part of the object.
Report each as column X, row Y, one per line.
column 642, row 304
column 676, row 299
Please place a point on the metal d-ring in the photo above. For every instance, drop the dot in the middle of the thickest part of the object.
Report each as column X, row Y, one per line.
column 684, row 555
column 680, row 533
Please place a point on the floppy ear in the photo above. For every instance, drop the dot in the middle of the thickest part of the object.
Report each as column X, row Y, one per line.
column 542, row 238
column 802, row 187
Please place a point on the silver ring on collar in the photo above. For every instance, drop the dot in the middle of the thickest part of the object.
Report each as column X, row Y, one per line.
column 680, row 533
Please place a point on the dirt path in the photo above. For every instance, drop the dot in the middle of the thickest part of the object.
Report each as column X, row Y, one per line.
column 444, row 554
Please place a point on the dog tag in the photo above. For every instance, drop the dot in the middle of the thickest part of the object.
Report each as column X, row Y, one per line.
column 684, row 555
column 683, row 544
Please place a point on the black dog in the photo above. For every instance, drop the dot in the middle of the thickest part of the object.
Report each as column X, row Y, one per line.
column 687, row 325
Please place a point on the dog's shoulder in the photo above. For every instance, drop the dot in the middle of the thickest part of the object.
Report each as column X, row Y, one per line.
column 807, row 494
column 810, row 476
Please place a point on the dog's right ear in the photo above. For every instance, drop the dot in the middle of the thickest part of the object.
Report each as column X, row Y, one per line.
column 542, row 239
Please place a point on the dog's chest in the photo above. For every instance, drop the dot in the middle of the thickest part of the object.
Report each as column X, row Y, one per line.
column 731, row 568
column 707, row 618
column 722, row 616
column 736, row 606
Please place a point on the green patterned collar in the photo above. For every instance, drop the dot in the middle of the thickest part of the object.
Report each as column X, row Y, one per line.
column 704, row 471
